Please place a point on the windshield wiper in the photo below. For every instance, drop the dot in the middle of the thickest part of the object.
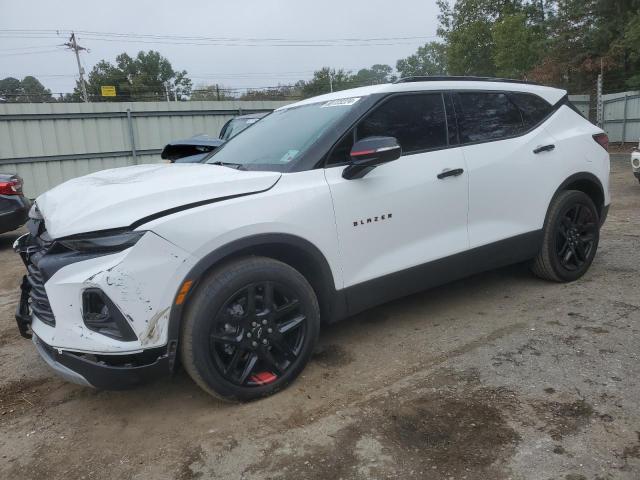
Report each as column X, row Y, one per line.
column 237, row 166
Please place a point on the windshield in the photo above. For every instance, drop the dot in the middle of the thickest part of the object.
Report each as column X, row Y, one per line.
column 283, row 136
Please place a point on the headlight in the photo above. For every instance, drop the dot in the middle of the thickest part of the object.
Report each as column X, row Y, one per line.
column 113, row 241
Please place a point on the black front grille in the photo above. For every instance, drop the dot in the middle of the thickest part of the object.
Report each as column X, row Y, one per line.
column 39, row 303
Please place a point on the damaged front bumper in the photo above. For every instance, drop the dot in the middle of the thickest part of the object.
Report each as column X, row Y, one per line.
column 117, row 372
column 138, row 283
column 108, row 372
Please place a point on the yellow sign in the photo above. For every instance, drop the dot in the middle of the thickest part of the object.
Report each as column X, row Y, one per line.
column 108, row 91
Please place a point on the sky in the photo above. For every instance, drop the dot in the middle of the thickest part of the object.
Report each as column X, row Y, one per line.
column 248, row 43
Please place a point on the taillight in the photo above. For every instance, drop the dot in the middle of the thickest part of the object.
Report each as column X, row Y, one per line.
column 11, row 187
column 602, row 139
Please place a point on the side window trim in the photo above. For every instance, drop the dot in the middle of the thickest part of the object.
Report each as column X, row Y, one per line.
column 451, row 94
column 515, row 105
column 450, row 109
column 446, row 117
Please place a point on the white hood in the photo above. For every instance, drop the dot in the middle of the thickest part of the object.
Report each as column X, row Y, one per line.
column 119, row 197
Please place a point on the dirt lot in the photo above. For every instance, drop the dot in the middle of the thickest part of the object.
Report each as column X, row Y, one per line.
column 500, row 376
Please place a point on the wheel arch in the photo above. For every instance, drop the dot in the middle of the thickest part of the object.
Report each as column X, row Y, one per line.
column 290, row 249
column 587, row 183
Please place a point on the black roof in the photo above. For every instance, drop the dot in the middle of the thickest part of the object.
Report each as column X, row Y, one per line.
column 445, row 78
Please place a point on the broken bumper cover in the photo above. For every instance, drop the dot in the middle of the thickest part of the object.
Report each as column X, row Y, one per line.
column 105, row 373
column 138, row 284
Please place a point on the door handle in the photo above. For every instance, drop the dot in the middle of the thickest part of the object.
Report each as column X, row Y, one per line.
column 450, row 173
column 545, row 148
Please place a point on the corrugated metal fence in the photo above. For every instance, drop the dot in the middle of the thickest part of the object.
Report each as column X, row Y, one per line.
column 47, row 144
column 621, row 116
column 582, row 103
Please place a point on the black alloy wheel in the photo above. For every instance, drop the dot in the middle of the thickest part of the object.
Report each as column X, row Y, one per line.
column 570, row 238
column 249, row 329
column 258, row 334
column 575, row 236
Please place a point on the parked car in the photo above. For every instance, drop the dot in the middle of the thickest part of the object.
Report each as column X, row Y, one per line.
column 197, row 148
column 190, row 150
column 14, row 207
column 240, row 123
column 321, row 210
column 635, row 162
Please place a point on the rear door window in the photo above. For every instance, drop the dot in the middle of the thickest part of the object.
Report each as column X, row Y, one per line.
column 486, row 116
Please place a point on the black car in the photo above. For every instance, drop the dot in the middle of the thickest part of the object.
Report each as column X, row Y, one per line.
column 195, row 149
column 14, row 207
column 238, row 124
column 190, row 150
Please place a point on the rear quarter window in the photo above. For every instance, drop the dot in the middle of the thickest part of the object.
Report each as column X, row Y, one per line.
column 533, row 108
column 486, row 116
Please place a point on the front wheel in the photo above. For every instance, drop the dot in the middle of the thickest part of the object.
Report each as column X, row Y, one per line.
column 570, row 239
column 250, row 329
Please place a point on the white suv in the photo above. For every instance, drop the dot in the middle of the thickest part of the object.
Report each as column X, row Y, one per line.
column 321, row 210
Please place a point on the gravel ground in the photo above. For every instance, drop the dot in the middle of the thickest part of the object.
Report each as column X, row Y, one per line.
column 499, row 376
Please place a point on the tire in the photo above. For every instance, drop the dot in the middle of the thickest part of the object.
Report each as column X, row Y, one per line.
column 238, row 349
column 570, row 238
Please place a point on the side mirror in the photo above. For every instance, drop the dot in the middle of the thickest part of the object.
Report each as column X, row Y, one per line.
column 368, row 153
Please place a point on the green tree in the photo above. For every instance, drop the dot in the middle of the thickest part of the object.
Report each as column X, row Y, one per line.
column 10, row 89
column 324, row 80
column 516, row 46
column 281, row 92
column 211, row 92
column 28, row 90
column 34, row 91
column 430, row 59
column 377, row 74
column 467, row 31
column 147, row 76
column 631, row 54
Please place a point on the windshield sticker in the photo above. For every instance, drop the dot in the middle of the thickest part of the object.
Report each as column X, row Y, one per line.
column 341, row 102
column 251, row 121
column 290, row 155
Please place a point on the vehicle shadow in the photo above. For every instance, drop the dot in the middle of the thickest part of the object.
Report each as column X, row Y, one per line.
column 453, row 293
column 179, row 392
column 336, row 340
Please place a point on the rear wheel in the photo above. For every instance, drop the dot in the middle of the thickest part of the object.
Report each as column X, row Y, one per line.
column 250, row 329
column 571, row 235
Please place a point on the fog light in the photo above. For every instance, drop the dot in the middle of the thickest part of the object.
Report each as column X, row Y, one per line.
column 101, row 315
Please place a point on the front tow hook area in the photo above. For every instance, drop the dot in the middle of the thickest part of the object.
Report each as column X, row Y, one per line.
column 23, row 317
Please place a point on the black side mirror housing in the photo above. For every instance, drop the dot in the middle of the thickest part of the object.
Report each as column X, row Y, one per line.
column 368, row 153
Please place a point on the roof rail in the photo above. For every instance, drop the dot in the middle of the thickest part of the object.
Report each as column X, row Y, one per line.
column 445, row 78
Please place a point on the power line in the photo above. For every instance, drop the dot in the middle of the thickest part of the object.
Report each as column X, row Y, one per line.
column 24, row 48
column 207, row 38
column 30, row 53
column 221, row 41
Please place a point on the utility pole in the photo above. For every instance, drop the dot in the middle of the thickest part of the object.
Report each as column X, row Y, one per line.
column 330, row 81
column 73, row 45
column 218, row 92
column 166, row 91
